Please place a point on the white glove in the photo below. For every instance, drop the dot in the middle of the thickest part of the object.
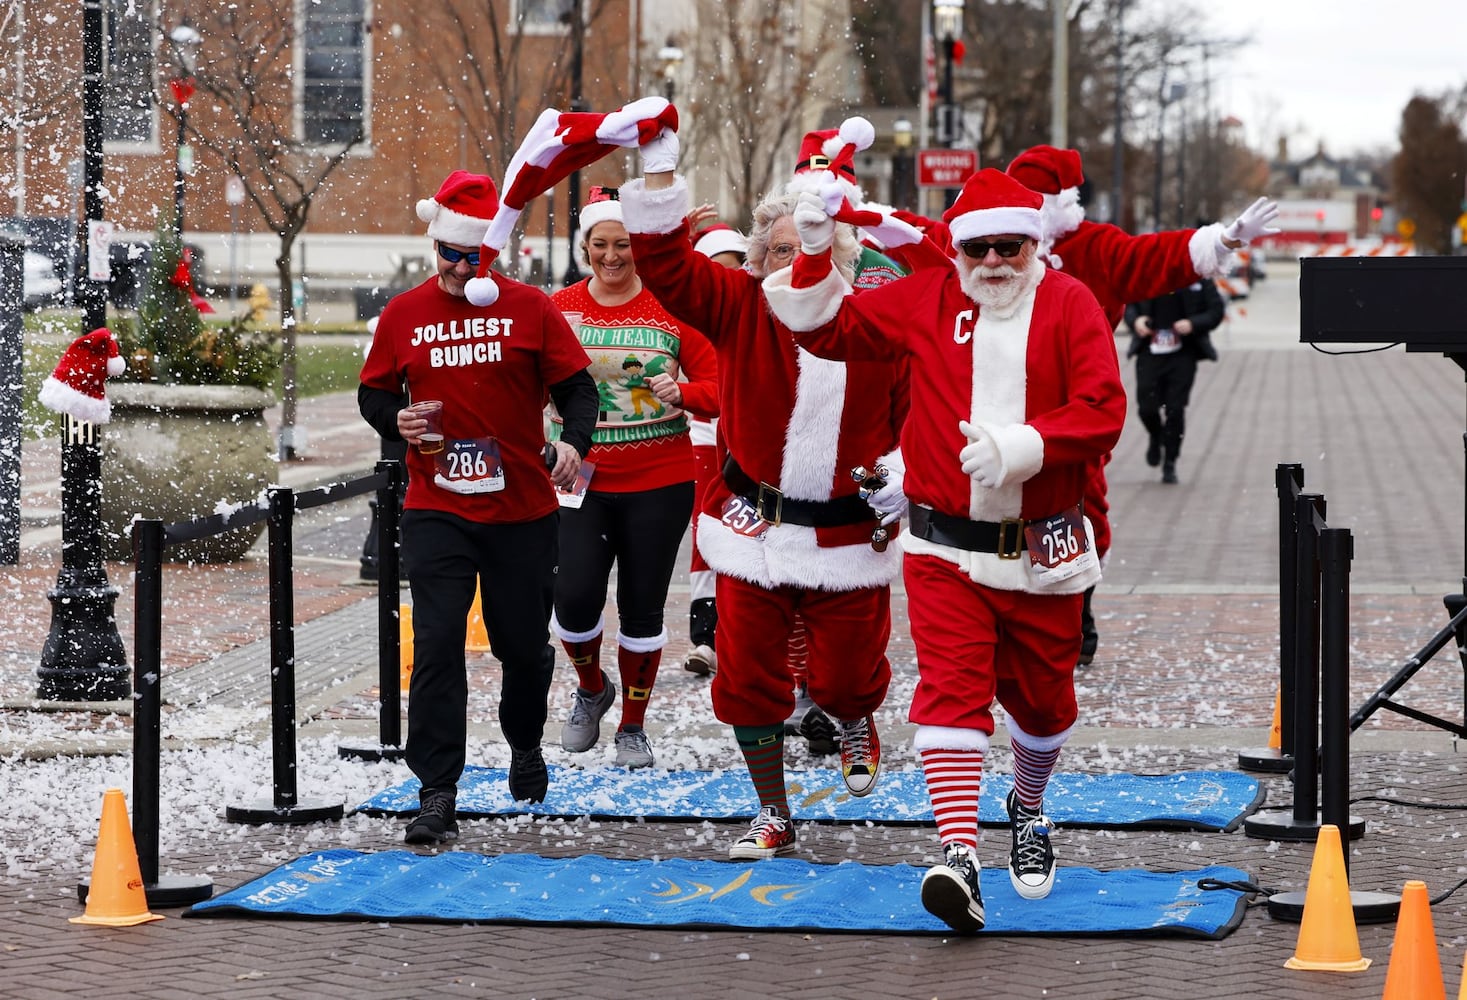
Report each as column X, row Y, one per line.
column 889, row 501
column 659, row 156
column 815, row 226
column 980, row 456
column 1255, row 221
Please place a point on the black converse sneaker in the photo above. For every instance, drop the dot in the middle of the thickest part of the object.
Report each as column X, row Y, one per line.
column 1031, row 861
column 528, row 778
column 950, row 891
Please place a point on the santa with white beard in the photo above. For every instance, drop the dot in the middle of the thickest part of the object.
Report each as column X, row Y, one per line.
column 1015, row 390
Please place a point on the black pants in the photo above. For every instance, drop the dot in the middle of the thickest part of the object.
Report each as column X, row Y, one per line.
column 641, row 533
column 1164, row 384
column 514, row 566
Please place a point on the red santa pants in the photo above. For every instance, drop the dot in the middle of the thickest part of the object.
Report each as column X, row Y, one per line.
column 847, row 635
column 976, row 643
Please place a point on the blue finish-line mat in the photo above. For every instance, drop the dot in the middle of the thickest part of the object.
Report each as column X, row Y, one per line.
column 780, row 894
column 1186, row 800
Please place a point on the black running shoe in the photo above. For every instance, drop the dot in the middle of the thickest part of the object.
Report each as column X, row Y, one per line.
column 435, row 821
column 528, row 779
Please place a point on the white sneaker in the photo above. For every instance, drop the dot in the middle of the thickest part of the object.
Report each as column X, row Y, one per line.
column 632, row 748
column 702, row 660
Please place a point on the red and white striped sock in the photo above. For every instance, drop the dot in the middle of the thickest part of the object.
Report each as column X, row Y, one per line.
column 1032, row 770
column 954, row 782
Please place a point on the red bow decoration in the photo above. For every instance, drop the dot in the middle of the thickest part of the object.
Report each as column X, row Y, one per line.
column 183, row 278
column 182, row 89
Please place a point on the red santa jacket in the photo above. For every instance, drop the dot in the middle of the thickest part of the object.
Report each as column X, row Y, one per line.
column 789, row 418
column 1120, row 268
column 1043, row 380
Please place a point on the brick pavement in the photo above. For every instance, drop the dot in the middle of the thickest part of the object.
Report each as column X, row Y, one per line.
column 1184, row 679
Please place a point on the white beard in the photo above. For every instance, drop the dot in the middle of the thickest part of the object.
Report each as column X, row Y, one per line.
column 1001, row 300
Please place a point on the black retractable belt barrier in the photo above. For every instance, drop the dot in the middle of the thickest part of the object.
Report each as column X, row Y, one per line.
column 1289, row 481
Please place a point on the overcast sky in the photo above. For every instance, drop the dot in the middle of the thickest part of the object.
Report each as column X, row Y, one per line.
column 1335, row 70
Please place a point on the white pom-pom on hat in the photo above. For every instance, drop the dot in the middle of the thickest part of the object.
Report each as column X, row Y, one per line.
column 858, row 132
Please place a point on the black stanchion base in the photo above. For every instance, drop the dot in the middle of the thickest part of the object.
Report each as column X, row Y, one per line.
column 375, row 752
column 1279, row 824
column 1270, row 760
column 1369, row 907
column 168, row 891
column 269, row 812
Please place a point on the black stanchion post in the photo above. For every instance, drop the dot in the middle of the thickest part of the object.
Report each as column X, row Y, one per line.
column 1306, row 672
column 147, row 727
column 285, row 806
column 12, row 368
column 389, row 632
column 1336, row 549
column 1288, row 481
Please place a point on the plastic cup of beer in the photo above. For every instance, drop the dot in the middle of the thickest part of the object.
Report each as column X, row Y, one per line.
column 430, row 442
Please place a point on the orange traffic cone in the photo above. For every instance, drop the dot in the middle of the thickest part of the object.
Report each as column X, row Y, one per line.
column 115, row 897
column 1415, row 971
column 404, row 646
column 478, row 634
column 1327, row 938
column 1462, row 990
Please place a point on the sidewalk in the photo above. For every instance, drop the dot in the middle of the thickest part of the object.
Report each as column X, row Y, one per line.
column 1185, row 678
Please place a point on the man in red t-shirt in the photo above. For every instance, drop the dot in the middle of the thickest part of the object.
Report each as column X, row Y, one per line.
column 481, row 511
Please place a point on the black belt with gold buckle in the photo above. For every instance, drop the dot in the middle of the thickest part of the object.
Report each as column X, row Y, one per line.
column 773, row 506
column 1006, row 537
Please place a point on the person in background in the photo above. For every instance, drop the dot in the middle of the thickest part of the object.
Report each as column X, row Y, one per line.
column 640, row 493
column 784, row 529
column 482, row 511
column 1169, row 335
column 724, row 245
column 1120, row 268
column 1021, row 391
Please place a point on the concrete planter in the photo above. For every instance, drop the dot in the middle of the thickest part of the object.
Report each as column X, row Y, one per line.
column 177, row 452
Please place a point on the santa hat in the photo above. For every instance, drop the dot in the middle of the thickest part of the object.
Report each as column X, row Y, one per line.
column 720, row 238
column 603, row 204
column 826, row 168
column 558, row 144
column 1054, row 173
column 827, row 158
column 76, row 386
column 991, row 203
column 462, row 208
column 1047, row 170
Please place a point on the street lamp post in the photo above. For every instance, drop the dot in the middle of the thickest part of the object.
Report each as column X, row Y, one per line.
column 1168, row 95
column 186, row 42
column 83, row 658
column 671, row 58
column 573, row 200
column 947, row 22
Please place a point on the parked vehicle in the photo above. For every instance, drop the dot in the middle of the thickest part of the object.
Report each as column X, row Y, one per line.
column 42, row 287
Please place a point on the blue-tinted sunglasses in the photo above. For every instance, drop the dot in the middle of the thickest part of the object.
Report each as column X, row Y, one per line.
column 454, row 256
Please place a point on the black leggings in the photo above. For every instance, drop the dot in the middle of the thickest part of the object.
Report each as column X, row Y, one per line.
column 641, row 533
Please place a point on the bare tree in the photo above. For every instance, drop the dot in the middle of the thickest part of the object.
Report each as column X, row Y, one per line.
column 1427, row 173
column 248, row 79
column 763, row 73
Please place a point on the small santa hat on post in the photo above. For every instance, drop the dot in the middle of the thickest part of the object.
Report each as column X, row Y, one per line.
column 77, row 387
column 557, row 145
column 993, row 203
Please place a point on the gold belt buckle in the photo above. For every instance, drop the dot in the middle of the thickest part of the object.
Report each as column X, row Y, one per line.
column 1010, row 538
column 762, row 500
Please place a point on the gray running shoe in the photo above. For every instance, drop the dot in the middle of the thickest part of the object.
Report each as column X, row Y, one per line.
column 632, row 748
column 583, row 728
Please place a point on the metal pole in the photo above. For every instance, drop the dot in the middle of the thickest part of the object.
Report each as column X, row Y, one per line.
column 178, row 179
column 573, row 193
column 1336, row 549
column 1059, row 85
column 12, row 370
column 1118, row 143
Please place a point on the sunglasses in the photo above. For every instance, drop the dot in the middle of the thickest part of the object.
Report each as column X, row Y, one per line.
column 454, row 256
column 978, row 249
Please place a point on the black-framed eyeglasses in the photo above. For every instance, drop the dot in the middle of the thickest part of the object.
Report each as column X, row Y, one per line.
column 978, row 249
column 454, row 256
